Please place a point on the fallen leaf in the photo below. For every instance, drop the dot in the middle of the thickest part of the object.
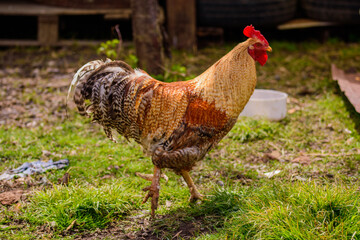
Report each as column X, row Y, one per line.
column 71, row 225
column 65, row 179
column 283, row 69
column 300, row 178
column 107, row 176
column 293, row 100
column 16, row 207
column 293, row 110
column 302, row 160
column 176, row 235
column 271, row 174
column 46, row 153
column 274, row 155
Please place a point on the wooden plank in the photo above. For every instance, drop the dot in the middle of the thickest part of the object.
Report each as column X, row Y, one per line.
column 126, row 14
column 48, row 21
column 14, row 42
column 48, row 28
column 303, row 23
column 32, row 9
column 181, row 22
column 349, row 83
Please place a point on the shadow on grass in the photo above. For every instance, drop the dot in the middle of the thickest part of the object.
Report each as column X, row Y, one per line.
column 294, row 209
column 355, row 116
column 182, row 223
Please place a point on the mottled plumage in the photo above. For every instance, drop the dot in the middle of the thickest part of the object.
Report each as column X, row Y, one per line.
column 176, row 123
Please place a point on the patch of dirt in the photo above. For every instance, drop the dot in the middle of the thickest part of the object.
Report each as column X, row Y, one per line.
column 185, row 230
column 114, row 232
column 236, row 176
column 11, row 197
column 14, row 190
column 27, row 102
column 33, row 85
column 163, row 227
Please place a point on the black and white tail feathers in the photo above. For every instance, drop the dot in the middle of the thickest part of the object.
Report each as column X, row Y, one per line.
column 94, row 83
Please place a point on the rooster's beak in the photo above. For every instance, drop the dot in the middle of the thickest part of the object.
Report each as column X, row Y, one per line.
column 269, row 49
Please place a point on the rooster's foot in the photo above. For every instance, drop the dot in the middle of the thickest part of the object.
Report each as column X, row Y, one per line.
column 195, row 195
column 153, row 191
column 154, row 194
column 149, row 177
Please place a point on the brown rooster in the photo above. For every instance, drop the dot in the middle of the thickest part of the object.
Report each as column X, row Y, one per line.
column 176, row 123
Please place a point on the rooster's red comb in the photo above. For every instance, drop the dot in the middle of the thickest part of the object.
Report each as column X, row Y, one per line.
column 250, row 32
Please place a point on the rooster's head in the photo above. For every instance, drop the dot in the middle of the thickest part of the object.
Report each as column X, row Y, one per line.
column 257, row 50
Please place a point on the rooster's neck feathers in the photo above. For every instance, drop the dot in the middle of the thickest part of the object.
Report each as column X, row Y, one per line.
column 230, row 81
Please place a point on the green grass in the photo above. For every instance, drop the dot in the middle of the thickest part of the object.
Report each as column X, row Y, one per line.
column 290, row 211
column 317, row 199
column 91, row 207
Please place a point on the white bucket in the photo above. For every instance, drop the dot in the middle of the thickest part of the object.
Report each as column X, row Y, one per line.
column 269, row 104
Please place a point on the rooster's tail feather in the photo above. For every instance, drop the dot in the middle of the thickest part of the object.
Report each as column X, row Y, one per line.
column 92, row 82
column 86, row 69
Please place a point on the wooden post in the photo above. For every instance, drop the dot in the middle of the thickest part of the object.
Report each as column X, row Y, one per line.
column 181, row 22
column 147, row 35
column 48, row 29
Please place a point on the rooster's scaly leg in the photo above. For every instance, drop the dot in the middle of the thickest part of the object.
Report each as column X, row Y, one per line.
column 153, row 190
column 193, row 190
column 149, row 177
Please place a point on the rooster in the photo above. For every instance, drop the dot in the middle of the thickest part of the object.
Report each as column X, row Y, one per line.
column 176, row 123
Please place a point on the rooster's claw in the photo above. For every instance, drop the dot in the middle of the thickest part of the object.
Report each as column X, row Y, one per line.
column 153, row 191
column 195, row 195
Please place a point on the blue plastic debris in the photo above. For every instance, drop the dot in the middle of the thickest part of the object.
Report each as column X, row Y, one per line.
column 30, row 168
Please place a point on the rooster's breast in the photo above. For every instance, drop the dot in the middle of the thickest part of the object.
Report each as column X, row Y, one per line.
column 180, row 127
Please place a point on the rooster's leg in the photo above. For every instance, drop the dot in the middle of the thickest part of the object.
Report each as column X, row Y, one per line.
column 149, row 177
column 153, row 190
column 193, row 190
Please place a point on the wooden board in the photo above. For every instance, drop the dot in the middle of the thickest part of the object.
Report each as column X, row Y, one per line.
column 181, row 21
column 349, row 83
column 14, row 42
column 33, row 9
column 48, row 29
column 303, row 23
column 48, row 21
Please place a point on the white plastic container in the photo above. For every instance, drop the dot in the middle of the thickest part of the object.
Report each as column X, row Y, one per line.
column 269, row 104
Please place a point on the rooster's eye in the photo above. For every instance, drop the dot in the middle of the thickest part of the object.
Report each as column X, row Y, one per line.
column 258, row 45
